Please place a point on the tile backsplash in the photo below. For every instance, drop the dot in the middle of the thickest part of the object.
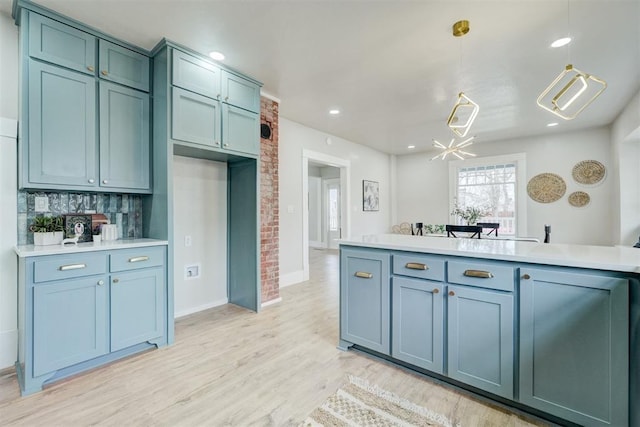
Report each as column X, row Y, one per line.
column 125, row 210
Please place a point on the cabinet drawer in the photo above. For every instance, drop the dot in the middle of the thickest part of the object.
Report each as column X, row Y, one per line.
column 420, row 266
column 489, row 276
column 67, row 266
column 132, row 259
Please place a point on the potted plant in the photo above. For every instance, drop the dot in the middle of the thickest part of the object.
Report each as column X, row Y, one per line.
column 47, row 230
column 470, row 214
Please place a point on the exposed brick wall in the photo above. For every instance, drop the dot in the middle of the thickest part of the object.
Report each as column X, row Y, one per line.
column 269, row 210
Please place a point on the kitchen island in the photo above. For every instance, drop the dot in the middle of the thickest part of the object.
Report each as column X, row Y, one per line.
column 548, row 328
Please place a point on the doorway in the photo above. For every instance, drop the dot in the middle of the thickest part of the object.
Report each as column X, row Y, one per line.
column 325, row 186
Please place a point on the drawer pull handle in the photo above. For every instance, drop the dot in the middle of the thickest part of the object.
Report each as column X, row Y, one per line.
column 116, row 280
column 139, row 259
column 416, row 266
column 364, row 275
column 72, row 267
column 436, row 291
column 526, row 277
column 478, row 273
column 452, row 294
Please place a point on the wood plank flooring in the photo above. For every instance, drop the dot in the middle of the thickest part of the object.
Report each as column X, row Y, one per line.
column 230, row 366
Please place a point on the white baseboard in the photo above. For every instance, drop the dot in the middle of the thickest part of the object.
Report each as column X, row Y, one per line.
column 8, row 348
column 271, row 302
column 316, row 244
column 202, row 307
column 291, row 278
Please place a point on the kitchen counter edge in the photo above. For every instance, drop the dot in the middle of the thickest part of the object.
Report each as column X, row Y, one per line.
column 25, row 251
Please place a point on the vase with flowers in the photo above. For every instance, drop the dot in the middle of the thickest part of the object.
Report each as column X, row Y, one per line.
column 469, row 214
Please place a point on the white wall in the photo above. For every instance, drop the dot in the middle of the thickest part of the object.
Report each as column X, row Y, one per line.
column 625, row 146
column 366, row 163
column 8, row 186
column 200, row 209
column 422, row 185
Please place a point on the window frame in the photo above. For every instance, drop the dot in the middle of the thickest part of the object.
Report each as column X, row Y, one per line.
column 519, row 159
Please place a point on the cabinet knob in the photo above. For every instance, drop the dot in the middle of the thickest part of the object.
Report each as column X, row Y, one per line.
column 217, row 143
column 100, row 282
column 104, row 181
column 116, row 280
column 218, row 96
column 104, row 72
column 436, row 291
column 526, row 277
column 452, row 294
column 91, row 181
column 226, row 98
column 226, row 144
column 90, row 68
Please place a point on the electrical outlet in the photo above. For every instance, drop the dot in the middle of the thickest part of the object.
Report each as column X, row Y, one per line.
column 192, row 271
column 187, row 240
column 41, row 204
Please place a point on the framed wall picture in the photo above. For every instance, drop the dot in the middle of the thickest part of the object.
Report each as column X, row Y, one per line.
column 370, row 196
column 78, row 225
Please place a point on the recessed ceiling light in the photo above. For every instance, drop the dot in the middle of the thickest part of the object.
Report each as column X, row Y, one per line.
column 561, row 42
column 217, row 56
column 550, row 125
column 334, row 112
column 410, row 147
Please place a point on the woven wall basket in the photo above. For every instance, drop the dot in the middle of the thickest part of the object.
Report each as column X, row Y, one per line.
column 546, row 187
column 589, row 172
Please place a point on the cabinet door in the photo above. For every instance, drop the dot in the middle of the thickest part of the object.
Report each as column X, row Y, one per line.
column 240, row 92
column 195, row 118
column 70, row 323
column 123, row 66
column 61, row 44
column 240, row 130
column 364, row 299
column 417, row 319
column 137, row 307
column 480, row 339
column 195, row 75
column 574, row 346
column 61, row 144
column 124, row 138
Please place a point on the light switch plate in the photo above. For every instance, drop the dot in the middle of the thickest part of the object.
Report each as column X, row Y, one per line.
column 41, row 204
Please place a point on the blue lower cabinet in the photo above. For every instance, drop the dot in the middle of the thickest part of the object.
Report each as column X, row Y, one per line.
column 365, row 299
column 574, row 346
column 137, row 307
column 480, row 339
column 70, row 323
column 417, row 319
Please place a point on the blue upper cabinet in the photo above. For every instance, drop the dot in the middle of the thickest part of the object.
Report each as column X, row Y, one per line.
column 240, row 130
column 240, row 92
column 61, row 147
column 124, row 137
column 195, row 118
column 123, row 66
column 61, row 44
column 195, row 75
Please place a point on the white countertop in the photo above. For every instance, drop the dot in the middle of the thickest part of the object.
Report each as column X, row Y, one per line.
column 612, row 258
column 24, row 251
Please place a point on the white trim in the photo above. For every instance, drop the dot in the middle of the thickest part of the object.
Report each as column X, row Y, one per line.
column 8, row 127
column 271, row 302
column 291, row 278
column 520, row 159
column 345, row 198
column 315, row 244
column 269, row 96
column 202, row 307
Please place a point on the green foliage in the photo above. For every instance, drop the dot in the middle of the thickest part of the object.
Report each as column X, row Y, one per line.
column 44, row 224
column 434, row 228
column 470, row 214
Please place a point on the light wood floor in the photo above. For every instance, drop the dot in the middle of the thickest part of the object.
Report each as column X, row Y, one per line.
column 230, row 366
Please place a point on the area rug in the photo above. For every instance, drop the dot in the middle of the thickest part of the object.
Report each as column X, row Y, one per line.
column 359, row 403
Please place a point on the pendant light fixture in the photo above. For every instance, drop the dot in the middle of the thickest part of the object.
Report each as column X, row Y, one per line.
column 464, row 111
column 454, row 150
column 572, row 91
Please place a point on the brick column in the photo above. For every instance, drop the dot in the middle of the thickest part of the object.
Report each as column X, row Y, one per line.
column 269, row 210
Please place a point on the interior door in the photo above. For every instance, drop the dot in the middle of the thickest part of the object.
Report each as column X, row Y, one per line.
column 332, row 212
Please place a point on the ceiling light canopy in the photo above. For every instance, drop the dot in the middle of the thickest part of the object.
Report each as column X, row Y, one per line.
column 570, row 93
column 216, row 56
column 454, row 150
column 561, row 42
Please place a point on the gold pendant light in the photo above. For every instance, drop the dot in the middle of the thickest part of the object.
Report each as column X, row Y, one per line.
column 454, row 150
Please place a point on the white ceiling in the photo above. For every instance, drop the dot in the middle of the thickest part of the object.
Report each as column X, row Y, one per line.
column 393, row 67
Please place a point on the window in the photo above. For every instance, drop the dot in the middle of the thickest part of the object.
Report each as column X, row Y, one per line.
column 494, row 185
column 333, row 208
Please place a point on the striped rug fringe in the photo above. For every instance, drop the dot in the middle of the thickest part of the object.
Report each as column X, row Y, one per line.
column 360, row 403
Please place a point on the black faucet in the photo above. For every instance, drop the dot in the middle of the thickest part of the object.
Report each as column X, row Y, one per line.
column 547, row 233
